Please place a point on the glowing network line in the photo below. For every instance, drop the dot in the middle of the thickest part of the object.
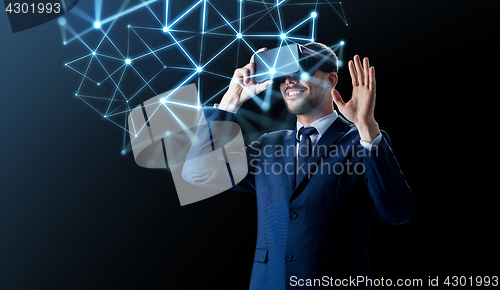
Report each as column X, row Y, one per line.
column 123, row 13
column 185, row 13
column 241, row 33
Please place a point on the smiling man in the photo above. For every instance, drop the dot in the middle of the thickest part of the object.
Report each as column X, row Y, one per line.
column 314, row 216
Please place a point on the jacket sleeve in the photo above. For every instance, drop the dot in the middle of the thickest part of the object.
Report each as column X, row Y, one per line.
column 386, row 183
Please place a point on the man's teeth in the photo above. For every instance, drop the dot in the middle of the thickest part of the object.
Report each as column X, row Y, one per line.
column 292, row 93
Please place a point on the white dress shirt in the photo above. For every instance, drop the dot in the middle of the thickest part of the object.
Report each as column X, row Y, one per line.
column 323, row 124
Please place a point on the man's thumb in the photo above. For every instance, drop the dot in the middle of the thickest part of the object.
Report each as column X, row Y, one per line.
column 263, row 86
column 337, row 99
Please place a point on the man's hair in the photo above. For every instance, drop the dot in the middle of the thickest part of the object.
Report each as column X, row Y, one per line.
column 323, row 51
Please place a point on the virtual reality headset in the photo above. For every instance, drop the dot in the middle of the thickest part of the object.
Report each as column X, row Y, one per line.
column 291, row 60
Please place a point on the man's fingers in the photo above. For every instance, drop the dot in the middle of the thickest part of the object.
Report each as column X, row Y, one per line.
column 252, row 59
column 259, row 88
column 337, row 99
column 251, row 64
column 242, row 74
column 372, row 85
column 366, row 67
column 359, row 69
column 251, row 72
column 354, row 76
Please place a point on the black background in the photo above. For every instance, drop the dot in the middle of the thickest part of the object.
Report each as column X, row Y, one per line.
column 76, row 214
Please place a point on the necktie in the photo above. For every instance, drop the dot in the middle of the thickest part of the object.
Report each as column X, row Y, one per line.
column 304, row 151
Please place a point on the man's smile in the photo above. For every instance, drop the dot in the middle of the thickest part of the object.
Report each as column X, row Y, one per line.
column 294, row 92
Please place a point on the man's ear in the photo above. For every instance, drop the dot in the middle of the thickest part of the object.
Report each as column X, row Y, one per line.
column 332, row 80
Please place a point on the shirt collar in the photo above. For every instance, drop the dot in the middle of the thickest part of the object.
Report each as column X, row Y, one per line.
column 321, row 124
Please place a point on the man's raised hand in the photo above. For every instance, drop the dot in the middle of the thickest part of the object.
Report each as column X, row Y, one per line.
column 360, row 108
column 243, row 86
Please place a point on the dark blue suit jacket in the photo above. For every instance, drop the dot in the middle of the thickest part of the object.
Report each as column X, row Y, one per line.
column 321, row 227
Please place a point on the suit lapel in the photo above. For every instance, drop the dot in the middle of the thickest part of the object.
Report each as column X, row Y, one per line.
column 338, row 128
column 289, row 145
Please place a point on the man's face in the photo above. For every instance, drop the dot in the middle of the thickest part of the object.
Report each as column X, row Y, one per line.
column 302, row 96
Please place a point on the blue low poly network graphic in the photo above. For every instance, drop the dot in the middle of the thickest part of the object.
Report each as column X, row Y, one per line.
column 159, row 49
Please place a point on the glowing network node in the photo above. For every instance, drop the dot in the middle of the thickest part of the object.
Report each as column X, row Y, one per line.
column 123, row 152
column 97, row 25
column 61, row 21
column 93, row 52
column 312, row 39
column 99, row 85
column 342, row 42
column 283, row 36
column 304, row 76
column 199, row 69
column 165, row 29
column 163, row 100
column 272, row 71
column 239, row 35
column 314, row 14
column 64, row 42
column 128, row 25
column 128, row 61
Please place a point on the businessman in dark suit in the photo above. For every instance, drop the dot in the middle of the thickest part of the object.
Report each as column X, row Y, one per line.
column 318, row 186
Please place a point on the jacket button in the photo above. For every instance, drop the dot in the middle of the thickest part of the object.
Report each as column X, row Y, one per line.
column 293, row 215
column 288, row 257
